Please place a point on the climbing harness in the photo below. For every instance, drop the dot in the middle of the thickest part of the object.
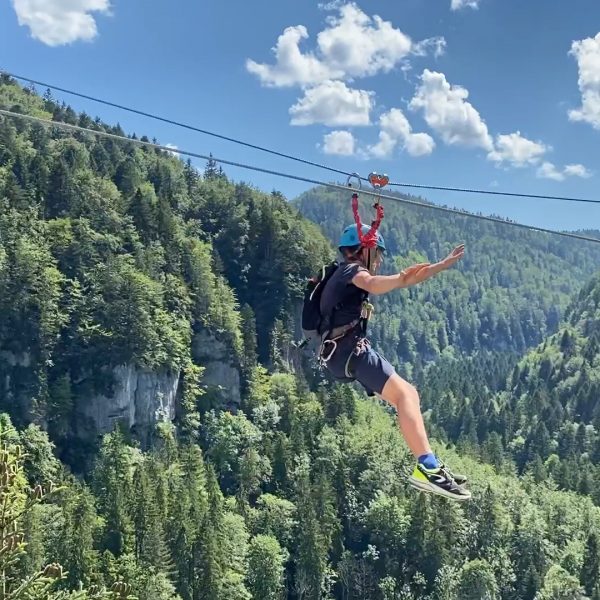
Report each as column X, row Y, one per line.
column 362, row 345
column 331, row 338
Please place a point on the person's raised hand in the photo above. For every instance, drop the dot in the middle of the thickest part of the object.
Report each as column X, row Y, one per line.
column 454, row 256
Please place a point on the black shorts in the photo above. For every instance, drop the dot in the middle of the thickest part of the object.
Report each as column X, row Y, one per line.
column 368, row 367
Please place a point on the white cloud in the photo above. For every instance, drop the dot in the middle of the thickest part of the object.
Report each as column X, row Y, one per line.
column 58, row 22
column 359, row 45
column 458, row 4
column 577, row 171
column 172, row 150
column 587, row 53
column 395, row 129
column 333, row 103
column 448, row 113
column 549, row 171
column 517, row 150
column 435, row 44
column 292, row 67
column 333, row 5
column 341, row 143
column 352, row 44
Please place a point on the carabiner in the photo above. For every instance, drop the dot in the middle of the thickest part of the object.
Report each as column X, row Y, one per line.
column 354, row 176
column 324, row 360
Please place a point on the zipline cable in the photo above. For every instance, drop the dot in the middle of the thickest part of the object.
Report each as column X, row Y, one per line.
column 494, row 193
column 290, row 156
column 176, row 123
column 335, row 186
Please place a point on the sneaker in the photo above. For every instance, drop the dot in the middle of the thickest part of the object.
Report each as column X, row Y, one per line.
column 458, row 478
column 438, row 481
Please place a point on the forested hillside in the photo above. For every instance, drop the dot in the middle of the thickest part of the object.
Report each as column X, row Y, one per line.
column 546, row 414
column 141, row 297
column 306, row 499
column 115, row 256
column 508, row 293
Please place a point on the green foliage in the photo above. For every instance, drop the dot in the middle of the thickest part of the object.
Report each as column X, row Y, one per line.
column 590, row 570
column 559, row 585
column 19, row 501
column 230, row 442
column 114, row 255
column 477, row 582
column 266, row 568
column 113, row 487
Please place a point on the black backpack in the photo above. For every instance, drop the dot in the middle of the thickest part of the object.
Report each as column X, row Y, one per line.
column 313, row 323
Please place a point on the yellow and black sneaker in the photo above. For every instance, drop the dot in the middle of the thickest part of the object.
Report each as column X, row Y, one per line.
column 438, row 481
column 460, row 479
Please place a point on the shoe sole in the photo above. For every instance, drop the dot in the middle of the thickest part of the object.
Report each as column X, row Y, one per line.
column 424, row 486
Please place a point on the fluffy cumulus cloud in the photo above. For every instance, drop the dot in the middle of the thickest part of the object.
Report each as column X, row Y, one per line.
column 458, row 4
column 448, row 113
column 341, row 143
column 517, row 150
column 353, row 44
column 577, row 171
column 333, row 103
column 292, row 67
column 396, row 131
column 358, row 45
column 548, row 170
column 587, row 54
column 58, row 22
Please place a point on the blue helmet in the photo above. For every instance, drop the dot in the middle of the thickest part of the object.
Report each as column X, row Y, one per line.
column 350, row 237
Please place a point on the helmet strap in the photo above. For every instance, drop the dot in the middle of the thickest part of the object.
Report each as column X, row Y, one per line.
column 364, row 255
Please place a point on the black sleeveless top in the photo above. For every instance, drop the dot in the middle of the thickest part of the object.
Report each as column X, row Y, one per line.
column 342, row 297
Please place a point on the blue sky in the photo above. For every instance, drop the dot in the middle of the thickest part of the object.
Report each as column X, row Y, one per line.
column 495, row 94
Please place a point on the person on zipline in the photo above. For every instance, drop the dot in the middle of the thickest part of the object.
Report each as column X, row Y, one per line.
column 349, row 356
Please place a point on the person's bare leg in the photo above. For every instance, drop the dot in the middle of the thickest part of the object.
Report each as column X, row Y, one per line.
column 405, row 399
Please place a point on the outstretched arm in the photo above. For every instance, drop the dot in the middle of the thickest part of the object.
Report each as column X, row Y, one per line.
column 381, row 284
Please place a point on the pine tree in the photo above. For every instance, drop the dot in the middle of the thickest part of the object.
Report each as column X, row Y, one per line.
column 186, row 513
column 143, row 210
column 76, row 546
column 112, row 483
column 311, row 544
column 211, row 171
column 249, row 338
column 590, row 570
column 488, row 534
column 210, row 558
column 191, row 177
column 266, row 568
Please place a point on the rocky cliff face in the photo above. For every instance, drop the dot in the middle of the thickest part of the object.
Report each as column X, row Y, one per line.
column 140, row 400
